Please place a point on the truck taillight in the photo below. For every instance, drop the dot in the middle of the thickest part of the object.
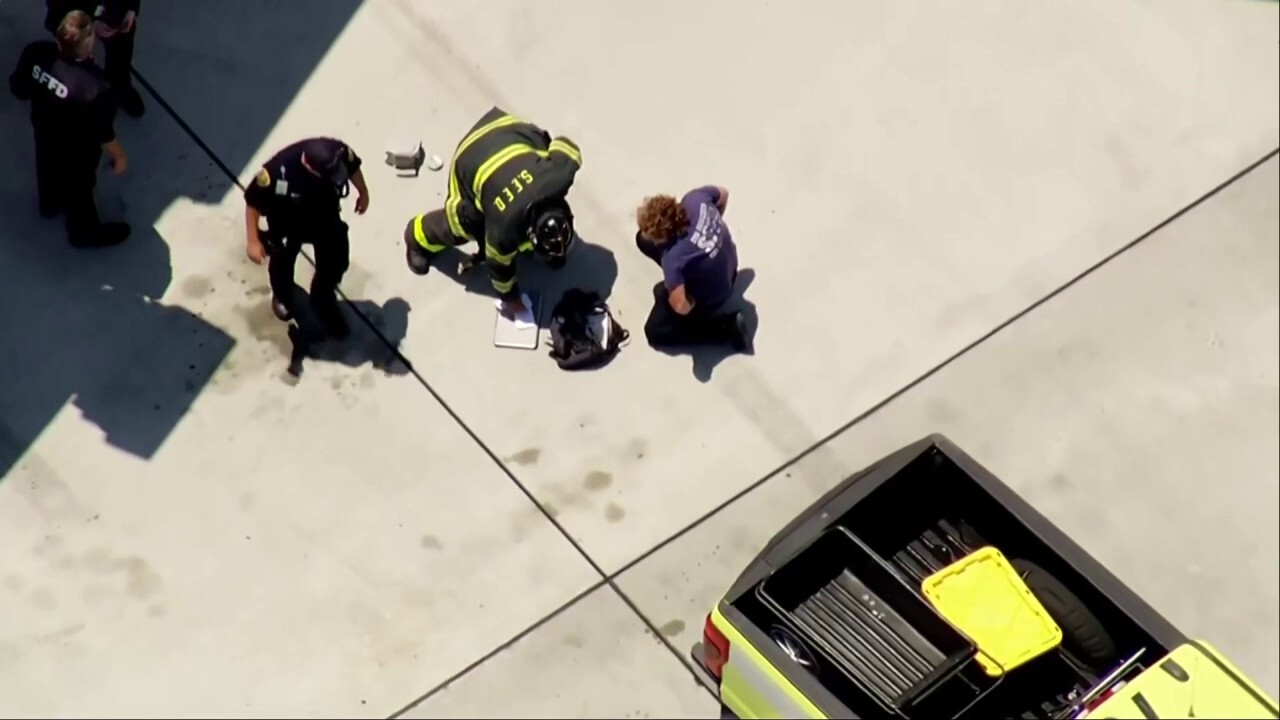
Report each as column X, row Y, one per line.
column 715, row 649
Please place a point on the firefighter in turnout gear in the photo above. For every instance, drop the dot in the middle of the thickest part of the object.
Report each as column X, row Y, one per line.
column 507, row 187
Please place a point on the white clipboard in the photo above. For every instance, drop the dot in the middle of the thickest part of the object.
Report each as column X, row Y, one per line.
column 520, row 333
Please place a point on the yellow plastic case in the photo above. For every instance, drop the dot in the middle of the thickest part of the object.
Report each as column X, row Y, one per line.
column 983, row 596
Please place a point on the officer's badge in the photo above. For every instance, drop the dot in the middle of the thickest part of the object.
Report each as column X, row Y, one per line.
column 263, row 179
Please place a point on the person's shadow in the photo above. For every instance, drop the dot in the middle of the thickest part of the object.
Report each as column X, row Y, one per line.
column 376, row 334
column 707, row 357
column 588, row 266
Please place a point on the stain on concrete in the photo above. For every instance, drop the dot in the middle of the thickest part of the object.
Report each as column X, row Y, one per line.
column 671, row 628
column 156, row 611
column 552, row 511
column 256, row 292
column 614, row 513
column 12, row 582
column 93, row 593
column 47, row 493
column 265, row 327
column 367, row 380
column 49, row 544
column 63, row 633
column 597, row 480
column 1059, row 481
column 574, row 641
column 529, row 519
column 335, row 382
column 140, row 579
column 635, row 449
column 195, row 287
column 430, row 542
column 246, row 501
column 528, row 456
column 269, row 406
column 43, row 599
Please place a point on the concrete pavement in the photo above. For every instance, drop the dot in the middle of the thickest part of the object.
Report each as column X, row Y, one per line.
column 905, row 178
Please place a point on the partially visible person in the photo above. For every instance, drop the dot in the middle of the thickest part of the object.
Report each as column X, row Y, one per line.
column 73, row 115
column 115, row 22
column 689, row 240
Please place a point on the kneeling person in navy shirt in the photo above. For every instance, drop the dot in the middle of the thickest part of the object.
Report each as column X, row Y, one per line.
column 689, row 239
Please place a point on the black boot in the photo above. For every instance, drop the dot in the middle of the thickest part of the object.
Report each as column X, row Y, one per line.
column 418, row 260
column 106, row 235
column 281, row 309
column 736, row 332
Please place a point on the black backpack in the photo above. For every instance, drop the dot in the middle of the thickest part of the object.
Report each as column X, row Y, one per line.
column 584, row 334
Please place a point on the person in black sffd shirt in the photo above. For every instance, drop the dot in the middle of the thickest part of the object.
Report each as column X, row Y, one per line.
column 299, row 192
column 115, row 22
column 73, row 116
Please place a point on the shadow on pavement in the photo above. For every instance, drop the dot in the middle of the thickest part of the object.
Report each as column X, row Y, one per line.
column 87, row 326
column 589, row 267
column 376, row 346
column 248, row 60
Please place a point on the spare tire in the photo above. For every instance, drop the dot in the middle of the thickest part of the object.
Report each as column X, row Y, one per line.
column 1082, row 632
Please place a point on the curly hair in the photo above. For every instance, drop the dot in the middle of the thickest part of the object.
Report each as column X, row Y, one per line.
column 661, row 219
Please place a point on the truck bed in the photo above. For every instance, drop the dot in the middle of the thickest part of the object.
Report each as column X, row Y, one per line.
column 861, row 617
column 874, row 539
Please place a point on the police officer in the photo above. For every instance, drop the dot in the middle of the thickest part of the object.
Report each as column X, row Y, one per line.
column 73, row 115
column 299, row 192
column 115, row 22
column 507, row 192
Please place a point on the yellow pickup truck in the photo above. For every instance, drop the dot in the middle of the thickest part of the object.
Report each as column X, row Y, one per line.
column 923, row 587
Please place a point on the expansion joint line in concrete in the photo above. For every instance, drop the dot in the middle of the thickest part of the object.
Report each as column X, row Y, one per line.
column 606, row 580
column 610, row 579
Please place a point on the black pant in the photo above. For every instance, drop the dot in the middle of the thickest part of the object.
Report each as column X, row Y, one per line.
column 429, row 234
column 704, row 325
column 119, row 61
column 332, row 250
column 66, row 175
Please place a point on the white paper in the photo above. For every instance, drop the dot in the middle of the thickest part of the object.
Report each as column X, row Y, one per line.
column 524, row 320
